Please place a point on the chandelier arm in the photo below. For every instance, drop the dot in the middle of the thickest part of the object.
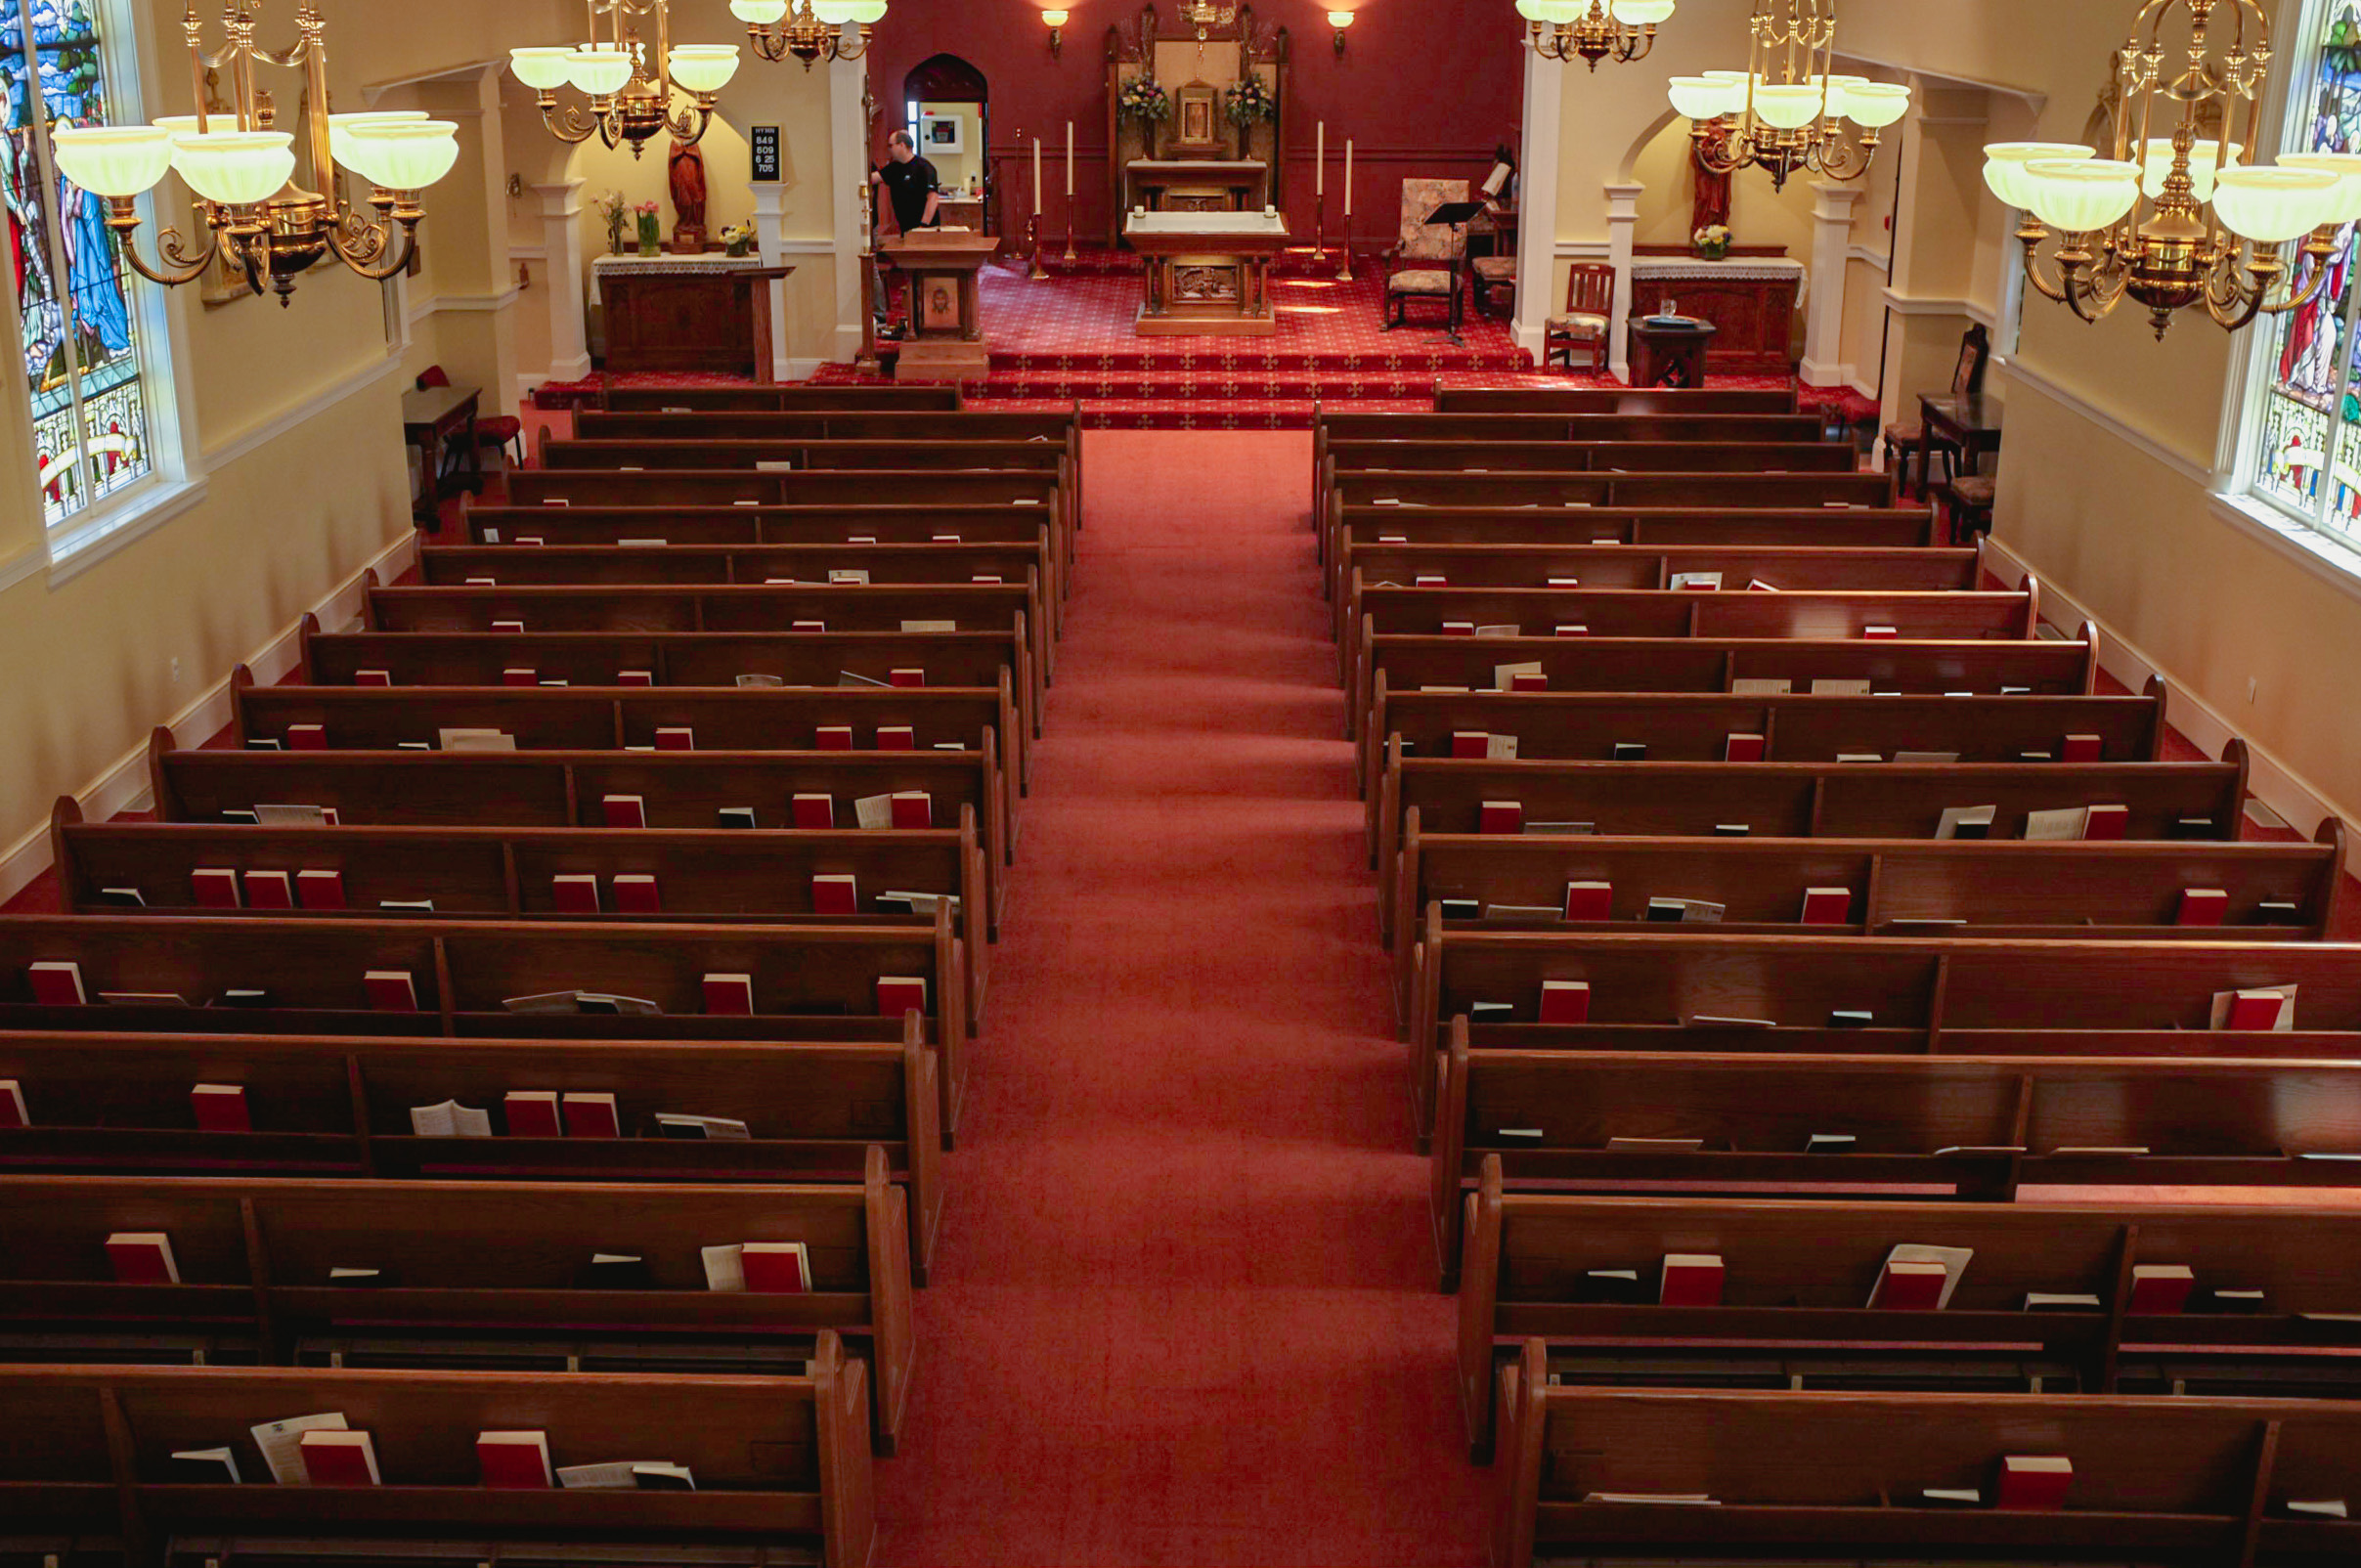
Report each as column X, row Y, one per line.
column 2033, row 275
column 186, row 268
column 690, row 125
column 1738, row 150
column 361, row 264
column 2310, row 292
column 567, row 125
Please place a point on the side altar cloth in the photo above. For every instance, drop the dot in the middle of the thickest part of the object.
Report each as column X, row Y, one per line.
column 1208, row 272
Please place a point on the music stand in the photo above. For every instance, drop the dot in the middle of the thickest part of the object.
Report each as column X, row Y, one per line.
column 1457, row 215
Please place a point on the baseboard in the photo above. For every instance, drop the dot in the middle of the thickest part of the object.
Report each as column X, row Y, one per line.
column 125, row 786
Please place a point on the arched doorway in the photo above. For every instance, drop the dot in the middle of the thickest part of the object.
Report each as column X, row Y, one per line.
column 946, row 108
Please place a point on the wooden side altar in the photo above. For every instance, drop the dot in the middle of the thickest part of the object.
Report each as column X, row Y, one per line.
column 1197, row 185
column 946, row 315
column 1750, row 298
column 708, row 312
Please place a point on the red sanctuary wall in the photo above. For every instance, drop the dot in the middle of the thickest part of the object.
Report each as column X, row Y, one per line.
column 1423, row 90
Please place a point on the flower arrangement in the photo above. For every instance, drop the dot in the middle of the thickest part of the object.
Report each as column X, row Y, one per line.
column 1143, row 98
column 737, row 239
column 1712, row 242
column 1249, row 100
column 615, row 211
column 651, row 232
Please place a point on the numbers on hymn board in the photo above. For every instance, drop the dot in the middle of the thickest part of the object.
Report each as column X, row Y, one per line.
column 765, row 143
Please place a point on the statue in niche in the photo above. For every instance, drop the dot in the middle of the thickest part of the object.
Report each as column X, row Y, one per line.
column 1712, row 204
column 686, row 167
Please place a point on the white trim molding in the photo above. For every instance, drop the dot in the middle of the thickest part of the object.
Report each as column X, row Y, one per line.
column 2196, row 473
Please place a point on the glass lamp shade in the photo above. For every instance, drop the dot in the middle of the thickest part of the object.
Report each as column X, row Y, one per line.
column 1059, row 18
column 2346, row 166
column 832, row 13
column 1840, row 92
column 340, row 129
column 1874, row 105
column 601, row 71
column 1787, row 107
column 544, row 70
column 1701, row 97
column 1338, row 19
column 404, row 154
column 235, row 168
column 2081, row 196
column 1641, row 12
column 2155, row 166
column 757, row 13
column 112, row 160
column 869, row 12
column 2004, row 165
column 704, row 67
column 2270, row 206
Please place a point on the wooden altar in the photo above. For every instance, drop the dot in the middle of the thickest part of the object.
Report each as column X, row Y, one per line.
column 1750, row 297
column 1208, row 272
column 708, row 313
column 947, row 316
column 1193, row 159
column 1197, row 185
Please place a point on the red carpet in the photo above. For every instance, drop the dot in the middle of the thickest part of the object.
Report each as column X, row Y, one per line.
column 1184, row 1312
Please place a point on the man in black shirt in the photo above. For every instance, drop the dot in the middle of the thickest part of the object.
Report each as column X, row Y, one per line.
column 908, row 180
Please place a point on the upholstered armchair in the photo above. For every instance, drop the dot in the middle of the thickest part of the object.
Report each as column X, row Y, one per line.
column 1590, row 304
column 1429, row 262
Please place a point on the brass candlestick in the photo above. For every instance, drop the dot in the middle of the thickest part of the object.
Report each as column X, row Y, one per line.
column 1320, row 227
column 1344, row 250
column 1071, row 258
column 1038, row 273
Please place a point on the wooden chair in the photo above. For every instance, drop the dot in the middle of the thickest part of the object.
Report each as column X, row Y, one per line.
column 494, row 432
column 1967, row 500
column 1498, row 269
column 1427, row 262
column 1967, row 379
column 1590, row 301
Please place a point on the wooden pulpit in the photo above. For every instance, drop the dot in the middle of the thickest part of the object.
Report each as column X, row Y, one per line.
column 947, row 322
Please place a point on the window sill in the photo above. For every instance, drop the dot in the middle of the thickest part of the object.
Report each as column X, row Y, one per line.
column 86, row 542
column 2330, row 559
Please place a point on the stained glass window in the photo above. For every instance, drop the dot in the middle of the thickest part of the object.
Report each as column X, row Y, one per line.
column 82, row 344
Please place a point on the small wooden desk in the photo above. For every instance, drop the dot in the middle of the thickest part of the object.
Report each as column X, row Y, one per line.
column 1669, row 353
column 431, row 418
column 709, row 312
column 1197, row 185
column 1970, row 423
column 1208, row 272
column 947, row 316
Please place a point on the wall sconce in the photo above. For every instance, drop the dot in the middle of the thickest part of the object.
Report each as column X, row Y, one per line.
column 1056, row 33
column 1339, row 20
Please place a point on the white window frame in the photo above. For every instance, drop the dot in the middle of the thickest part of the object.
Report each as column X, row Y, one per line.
column 175, row 480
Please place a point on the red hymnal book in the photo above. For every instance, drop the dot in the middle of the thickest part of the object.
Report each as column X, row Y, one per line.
column 339, row 1458
column 220, row 1108
column 897, row 738
column 520, row 676
column 2080, row 749
column 624, row 811
column 1690, row 1279
column 2105, row 823
column 216, row 886
column 1471, row 744
column 635, row 894
column 2033, row 1481
column 1878, row 631
column 307, row 737
column 1459, row 629
column 372, row 678
column 1827, row 906
column 142, row 1257
column 815, row 811
column 2160, row 1288
column 391, row 991
column 730, row 995
column 1905, row 1286
column 906, row 678
column 1431, row 579
column 676, row 738
column 507, row 626
column 319, row 890
column 2255, row 1010
column 1502, row 817
column 1528, row 681
column 835, row 893
column 2201, row 906
column 1742, row 748
column 807, row 626
column 12, row 1104
column 591, row 1115
column 1590, row 900
column 634, row 677
column 898, row 994
column 575, row 893
column 834, row 738
column 533, row 1114
column 1565, row 1001
column 57, row 983
column 515, row 1460
column 1573, row 630
column 913, row 809
column 781, row 1267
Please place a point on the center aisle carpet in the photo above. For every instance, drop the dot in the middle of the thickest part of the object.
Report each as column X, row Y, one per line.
column 1186, row 1309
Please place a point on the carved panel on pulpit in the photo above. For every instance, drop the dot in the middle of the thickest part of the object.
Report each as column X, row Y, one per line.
column 1199, row 201
column 1197, row 281
column 940, row 307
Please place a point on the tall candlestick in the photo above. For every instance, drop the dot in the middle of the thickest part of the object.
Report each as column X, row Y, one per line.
column 1069, row 160
column 1348, row 179
column 1320, row 163
column 1036, row 176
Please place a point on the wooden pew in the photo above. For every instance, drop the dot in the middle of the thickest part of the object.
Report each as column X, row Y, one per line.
column 809, row 982
column 1347, row 422
column 890, row 522
column 780, row 1462
column 1799, row 1276
column 1480, row 458
column 1838, row 1477
column 795, row 397
column 324, row 1105
column 1611, row 399
column 1917, row 1123
column 472, row 1270
column 677, row 790
column 1659, row 992
column 2166, row 801
column 710, row 876
column 615, row 718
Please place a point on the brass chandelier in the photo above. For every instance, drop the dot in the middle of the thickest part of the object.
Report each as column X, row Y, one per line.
column 810, row 30
column 2171, row 221
column 1786, row 111
column 240, row 168
column 1566, row 30
column 627, row 82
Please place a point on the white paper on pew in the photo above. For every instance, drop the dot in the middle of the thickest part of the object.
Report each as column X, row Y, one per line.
column 1839, row 688
column 282, row 1444
column 930, row 626
column 450, row 1119
column 1686, row 1499
column 1761, row 687
column 1926, row 757
column 725, row 1267
column 874, row 813
column 640, row 544
column 613, row 1477
column 1499, row 748
column 774, row 467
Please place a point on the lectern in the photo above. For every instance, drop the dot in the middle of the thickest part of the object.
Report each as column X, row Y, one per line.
column 947, row 342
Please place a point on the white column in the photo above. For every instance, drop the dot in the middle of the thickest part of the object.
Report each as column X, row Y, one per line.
column 1536, row 290
column 1623, row 228
column 1824, row 315
column 561, row 267
column 849, row 181
column 769, row 213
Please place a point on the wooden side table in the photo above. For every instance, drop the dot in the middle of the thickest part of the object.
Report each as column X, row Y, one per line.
column 1669, row 352
column 431, row 418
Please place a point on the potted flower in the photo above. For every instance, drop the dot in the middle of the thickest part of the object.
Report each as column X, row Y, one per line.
column 1143, row 98
column 651, row 232
column 1712, row 242
column 616, row 211
column 1249, row 102
column 738, row 239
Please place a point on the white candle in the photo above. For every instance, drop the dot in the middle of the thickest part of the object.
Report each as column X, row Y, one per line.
column 1348, row 176
column 1069, row 160
column 1036, row 176
column 1320, row 163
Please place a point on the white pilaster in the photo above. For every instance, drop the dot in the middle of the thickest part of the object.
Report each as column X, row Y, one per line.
column 1623, row 231
column 849, row 183
column 562, row 266
column 1824, row 317
column 769, row 213
column 1537, row 198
